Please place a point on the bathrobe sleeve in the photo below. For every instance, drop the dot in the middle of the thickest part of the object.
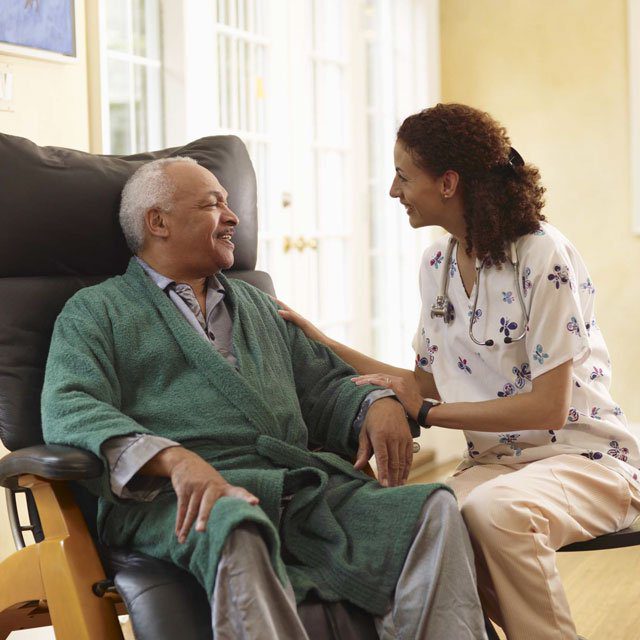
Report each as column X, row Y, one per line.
column 81, row 393
column 329, row 401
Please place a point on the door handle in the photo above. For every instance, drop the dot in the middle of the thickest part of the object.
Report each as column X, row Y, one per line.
column 300, row 244
column 286, row 199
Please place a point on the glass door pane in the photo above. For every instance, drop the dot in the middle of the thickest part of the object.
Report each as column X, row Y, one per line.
column 132, row 102
column 120, row 119
column 329, row 220
column 252, row 104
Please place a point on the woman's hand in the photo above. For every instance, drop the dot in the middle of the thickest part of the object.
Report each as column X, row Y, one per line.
column 310, row 330
column 406, row 392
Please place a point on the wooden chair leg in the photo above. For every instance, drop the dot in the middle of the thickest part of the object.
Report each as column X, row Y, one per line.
column 30, row 615
column 20, row 579
column 69, row 566
column 20, row 584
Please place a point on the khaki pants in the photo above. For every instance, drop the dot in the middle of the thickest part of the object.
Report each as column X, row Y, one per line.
column 518, row 515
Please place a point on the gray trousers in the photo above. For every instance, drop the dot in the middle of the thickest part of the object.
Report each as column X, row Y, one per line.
column 435, row 596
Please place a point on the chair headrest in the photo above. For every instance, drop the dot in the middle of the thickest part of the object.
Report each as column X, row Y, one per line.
column 59, row 207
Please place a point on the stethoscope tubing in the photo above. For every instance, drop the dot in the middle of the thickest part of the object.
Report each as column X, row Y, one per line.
column 441, row 307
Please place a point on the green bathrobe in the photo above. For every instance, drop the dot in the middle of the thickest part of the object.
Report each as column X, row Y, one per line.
column 124, row 360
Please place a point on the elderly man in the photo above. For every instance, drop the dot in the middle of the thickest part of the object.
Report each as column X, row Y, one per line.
column 202, row 402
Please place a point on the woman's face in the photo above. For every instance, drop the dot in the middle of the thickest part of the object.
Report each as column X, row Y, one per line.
column 422, row 195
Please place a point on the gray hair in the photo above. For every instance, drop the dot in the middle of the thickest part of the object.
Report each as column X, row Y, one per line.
column 148, row 188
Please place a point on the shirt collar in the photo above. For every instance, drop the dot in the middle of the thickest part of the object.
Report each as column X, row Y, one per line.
column 164, row 282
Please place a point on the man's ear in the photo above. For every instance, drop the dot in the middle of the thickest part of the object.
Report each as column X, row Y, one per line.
column 156, row 222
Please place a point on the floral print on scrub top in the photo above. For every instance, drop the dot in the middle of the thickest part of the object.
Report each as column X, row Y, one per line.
column 559, row 296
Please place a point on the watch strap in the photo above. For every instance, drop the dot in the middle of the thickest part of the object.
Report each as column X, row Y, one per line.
column 427, row 405
column 414, row 427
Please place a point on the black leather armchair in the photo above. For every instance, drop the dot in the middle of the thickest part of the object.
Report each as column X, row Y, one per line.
column 59, row 232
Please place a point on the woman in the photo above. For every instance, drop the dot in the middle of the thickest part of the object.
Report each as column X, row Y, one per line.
column 507, row 340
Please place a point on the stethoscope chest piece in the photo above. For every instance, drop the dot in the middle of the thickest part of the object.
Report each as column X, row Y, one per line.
column 443, row 309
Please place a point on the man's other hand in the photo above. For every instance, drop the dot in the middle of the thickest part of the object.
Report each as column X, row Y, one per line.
column 197, row 485
column 386, row 434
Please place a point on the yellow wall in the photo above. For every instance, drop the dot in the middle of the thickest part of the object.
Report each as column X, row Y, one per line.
column 554, row 72
column 50, row 98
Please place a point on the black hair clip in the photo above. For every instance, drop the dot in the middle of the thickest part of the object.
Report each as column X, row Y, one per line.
column 515, row 159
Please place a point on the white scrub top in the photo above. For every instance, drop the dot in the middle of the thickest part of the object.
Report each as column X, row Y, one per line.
column 559, row 296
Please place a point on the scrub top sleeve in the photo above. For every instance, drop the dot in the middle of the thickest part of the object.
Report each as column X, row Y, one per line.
column 425, row 349
column 557, row 330
column 421, row 346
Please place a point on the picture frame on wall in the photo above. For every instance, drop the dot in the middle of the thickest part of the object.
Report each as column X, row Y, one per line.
column 44, row 29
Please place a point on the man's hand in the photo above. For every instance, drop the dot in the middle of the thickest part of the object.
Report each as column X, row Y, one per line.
column 386, row 433
column 197, row 485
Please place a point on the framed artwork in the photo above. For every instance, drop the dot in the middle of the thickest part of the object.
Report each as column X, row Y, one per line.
column 42, row 29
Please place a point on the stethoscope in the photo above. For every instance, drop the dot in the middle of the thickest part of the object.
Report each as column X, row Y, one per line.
column 442, row 308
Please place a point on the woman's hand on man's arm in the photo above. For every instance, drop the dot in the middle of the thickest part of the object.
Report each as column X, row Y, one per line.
column 410, row 390
column 308, row 328
column 362, row 363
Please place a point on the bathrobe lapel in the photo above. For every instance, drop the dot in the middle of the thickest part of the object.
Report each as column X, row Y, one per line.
column 216, row 371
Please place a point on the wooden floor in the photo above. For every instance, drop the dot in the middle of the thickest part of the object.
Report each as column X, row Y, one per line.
column 603, row 587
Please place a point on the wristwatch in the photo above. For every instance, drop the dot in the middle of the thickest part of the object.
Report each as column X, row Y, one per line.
column 423, row 414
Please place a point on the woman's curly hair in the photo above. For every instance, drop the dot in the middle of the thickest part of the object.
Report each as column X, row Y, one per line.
column 502, row 200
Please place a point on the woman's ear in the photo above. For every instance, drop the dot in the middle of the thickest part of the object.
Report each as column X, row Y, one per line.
column 450, row 180
column 156, row 222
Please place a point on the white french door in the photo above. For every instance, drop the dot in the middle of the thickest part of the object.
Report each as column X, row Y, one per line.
column 322, row 147
column 286, row 87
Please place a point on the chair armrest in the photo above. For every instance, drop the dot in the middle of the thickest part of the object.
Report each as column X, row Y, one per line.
column 52, row 462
